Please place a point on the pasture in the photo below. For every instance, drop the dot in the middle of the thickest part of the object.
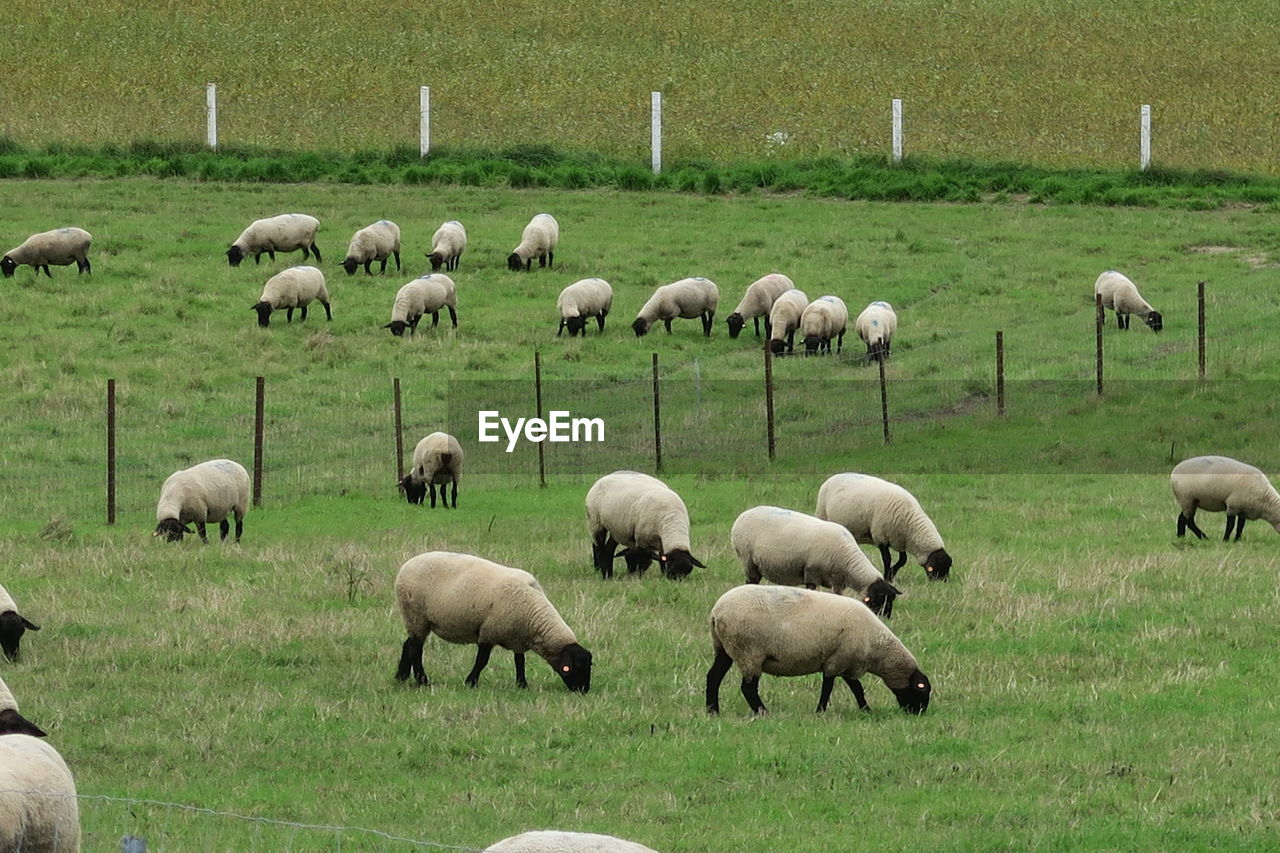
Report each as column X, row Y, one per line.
column 1098, row 683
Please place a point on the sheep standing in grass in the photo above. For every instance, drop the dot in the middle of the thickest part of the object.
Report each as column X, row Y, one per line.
column 296, row 287
column 582, row 300
column 887, row 515
column 375, row 242
column 823, row 319
column 1220, row 483
column 539, row 240
column 794, row 548
column 38, row 807
column 287, row 232
column 1121, row 296
column 466, row 599
column 557, row 841
column 645, row 517
column 12, row 626
column 447, row 245
column 757, row 302
column 785, row 631
column 59, row 247
column 424, row 295
column 203, row 494
column 784, row 319
column 437, row 461
column 876, row 325
column 686, row 298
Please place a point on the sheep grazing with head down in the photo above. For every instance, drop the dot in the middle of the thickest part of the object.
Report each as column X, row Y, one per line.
column 426, row 294
column 1223, row 484
column 375, row 242
column 582, row 300
column 38, row 806
column 12, row 626
column 757, row 302
column 644, row 516
column 823, row 319
column 287, row 232
column 876, row 325
column 888, row 516
column 784, row 631
column 437, row 461
column 784, row 319
column 296, row 287
column 686, row 298
column 539, row 240
column 558, row 841
column 204, row 493
column 60, row 247
column 462, row 598
column 447, row 245
column 1121, row 296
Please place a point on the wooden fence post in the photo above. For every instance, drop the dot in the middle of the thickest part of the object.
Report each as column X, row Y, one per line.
column 1097, row 299
column 1200, row 317
column 537, row 392
column 259, row 398
column 111, row 451
column 657, row 418
column 395, row 393
column 1000, row 374
column 884, row 401
column 768, row 400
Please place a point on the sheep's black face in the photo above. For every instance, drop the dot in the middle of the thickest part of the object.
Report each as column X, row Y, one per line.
column 914, row 698
column 879, row 597
column 13, row 723
column 777, row 346
column 514, row 263
column 7, row 266
column 414, row 492
column 811, row 344
column 576, row 326
column 1155, row 321
column 235, row 255
column 640, row 327
column 937, row 566
column 264, row 313
column 397, row 327
column 735, row 323
column 172, row 530
column 437, row 261
column 12, row 627
column 678, row 564
column 574, row 666
column 350, row 265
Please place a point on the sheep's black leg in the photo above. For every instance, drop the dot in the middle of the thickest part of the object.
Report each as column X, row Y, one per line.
column 1239, row 525
column 453, row 315
column 751, row 691
column 483, row 650
column 304, row 314
column 791, row 341
column 432, row 487
column 667, row 323
column 271, row 253
column 551, row 256
column 397, row 254
column 707, row 320
column 382, row 270
column 1231, row 522
column 411, row 661
column 602, row 551
column 884, row 555
column 840, row 342
column 902, row 561
column 46, row 271
column 599, row 320
column 435, row 318
column 288, row 315
column 520, row 680
column 315, row 250
column 856, row 686
column 454, row 489
column 224, row 527
column 239, row 526
column 328, row 311
column 200, row 530
column 757, row 324
column 561, row 329
column 828, row 682
column 715, row 675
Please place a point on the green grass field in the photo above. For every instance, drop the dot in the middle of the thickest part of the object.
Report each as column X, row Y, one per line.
column 1098, row 684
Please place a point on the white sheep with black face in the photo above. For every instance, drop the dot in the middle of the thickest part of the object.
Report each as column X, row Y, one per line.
column 202, row 494
column 823, row 320
column 447, row 245
column 437, row 461
column 646, row 518
column 1121, row 296
column 686, row 298
column 876, row 325
column 1223, row 484
column 757, row 302
column 426, row 294
column 582, row 300
column 38, row 806
column 539, row 240
column 287, row 232
column 784, row 319
column 887, row 516
column 60, row 247
column 376, row 242
column 296, row 287
column 12, row 626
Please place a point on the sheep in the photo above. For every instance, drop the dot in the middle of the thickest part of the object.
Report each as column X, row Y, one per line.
column 557, row 841
column 589, row 297
column 645, row 517
column 447, row 245
column 295, row 287
column 781, row 630
column 757, row 302
column 58, row 247
column 1218, row 483
column 283, row 233
column 203, row 493
column 11, row 722
column 437, row 461
column 538, row 241
column 38, row 806
column 426, row 294
column 371, row 243
column 784, row 319
column 686, row 298
column 886, row 515
column 823, row 319
column 468, row 599
column 794, row 548
column 1121, row 296
column 876, row 325
column 12, row 625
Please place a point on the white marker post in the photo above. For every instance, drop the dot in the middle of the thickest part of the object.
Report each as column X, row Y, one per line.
column 655, row 131
column 424, row 120
column 897, row 131
column 1145, row 144
column 211, row 113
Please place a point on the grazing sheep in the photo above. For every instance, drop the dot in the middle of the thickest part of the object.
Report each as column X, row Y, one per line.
column 686, row 298
column 781, row 630
column 784, row 319
column 12, row 626
column 757, row 302
column 295, row 287
column 11, row 722
column 467, row 599
column 645, row 517
column 371, row 243
column 203, row 493
column 876, row 325
column 1218, row 483
column 437, row 461
column 284, row 233
column 888, row 516
column 447, row 245
column 557, row 841
column 1121, row 296
column 793, row 548
column 538, row 241
column 38, row 807
column 426, row 294
column 589, row 297
column 824, row 318
column 59, row 247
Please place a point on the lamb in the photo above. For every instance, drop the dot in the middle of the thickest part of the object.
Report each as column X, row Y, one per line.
column 293, row 288
column 538, row 241
column 786, row 631
column 886, row 515
column 1121, row 296
column 757, row 302
column 426, row 294
column 447, row 245
column 38, row 806
column 283, row 233
column 371, row 243
column 784, row 319
column 646, row 518
column 557, row 841
column 58, row 247
column 686, row 298
column 437, row 461
column 12, row 625
column 876, row 325
column 1218, row 483
column 794, row 548
column 589, row 297
column 203, row 493
column 824, row 318
column 468, row 599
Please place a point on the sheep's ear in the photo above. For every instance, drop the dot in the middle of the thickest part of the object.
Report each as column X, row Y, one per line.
column 388, row 326
column 13, row 723
column 696, row 562
column 186, row 528
column 26, row 623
